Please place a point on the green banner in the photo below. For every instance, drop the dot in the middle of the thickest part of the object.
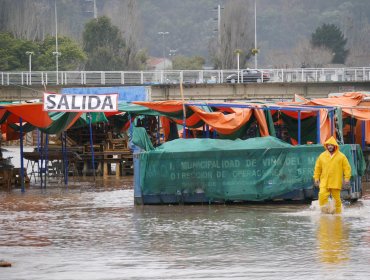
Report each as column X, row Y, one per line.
column 249, row 173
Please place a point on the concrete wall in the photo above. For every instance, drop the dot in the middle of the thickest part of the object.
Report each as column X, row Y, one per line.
column 16, row 93
column 277, row 91
column 253, row 91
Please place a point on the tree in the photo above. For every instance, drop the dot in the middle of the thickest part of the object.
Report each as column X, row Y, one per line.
column 141, row 58
column 104, row 45
column 124, row 15
column 331, row 37
column 72, row 56
column 236, row 33
column 8, row 57
column 306, row 55
column 360, row 51
column 13, row 54
column 187, row 63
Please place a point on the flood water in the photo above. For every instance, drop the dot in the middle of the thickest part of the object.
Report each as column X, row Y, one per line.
column 90, row 232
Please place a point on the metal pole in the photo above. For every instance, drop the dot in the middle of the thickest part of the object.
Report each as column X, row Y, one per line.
column 21, row 148
column 318, row 141
column 46, row 158
column 29, row 66
column 219, row 24
column 331, row 123
column 352, row 125
column 164, row 53
column 56, row 53
column 65, row 158
column 238, row 65
column 255, row 34
column 41, row 161
column 164, row 47
column 38, row 140
column 299, row 127
column 95, row 10
column 363, row 134
column 91, row 144
column 207, row 131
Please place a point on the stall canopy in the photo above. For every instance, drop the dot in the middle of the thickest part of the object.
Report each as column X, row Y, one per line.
column 229, row 120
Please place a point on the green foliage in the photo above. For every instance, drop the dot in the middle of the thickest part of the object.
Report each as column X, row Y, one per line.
column 104, row 45
column 13, row 54
column 72, row 57
column 188, row 63
column 331, row 37
column 141, row 58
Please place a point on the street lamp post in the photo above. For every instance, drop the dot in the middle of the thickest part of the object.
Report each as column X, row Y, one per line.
column 164, row 47
column 255, row 34
column 95, row 10
column 29, row 66
column 173, row 52
column 238, row 52
column 56, row 53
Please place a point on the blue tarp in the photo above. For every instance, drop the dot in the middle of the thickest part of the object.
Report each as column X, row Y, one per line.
column 128, row 94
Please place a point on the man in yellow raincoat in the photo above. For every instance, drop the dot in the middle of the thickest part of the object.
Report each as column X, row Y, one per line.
column 330, row 167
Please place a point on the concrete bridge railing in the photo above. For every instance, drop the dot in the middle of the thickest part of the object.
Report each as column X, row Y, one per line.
column 116, row 78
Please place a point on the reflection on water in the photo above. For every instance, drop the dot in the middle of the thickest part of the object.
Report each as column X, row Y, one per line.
column 97, row 233
column 333, row 239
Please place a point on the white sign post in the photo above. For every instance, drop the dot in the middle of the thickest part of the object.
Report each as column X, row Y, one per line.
column 80, row 102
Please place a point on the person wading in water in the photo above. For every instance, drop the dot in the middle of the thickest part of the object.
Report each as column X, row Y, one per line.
column 330, row 167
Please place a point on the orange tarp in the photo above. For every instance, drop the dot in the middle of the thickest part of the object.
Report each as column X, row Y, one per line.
column 261, row 119
column 347, row 99
column 350, row 103
column 325, row 131
column 162, row 106
column 190, row 121
column 223, row 124
column 31, row 113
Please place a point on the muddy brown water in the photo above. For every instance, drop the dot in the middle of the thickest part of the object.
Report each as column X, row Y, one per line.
column 94, row 231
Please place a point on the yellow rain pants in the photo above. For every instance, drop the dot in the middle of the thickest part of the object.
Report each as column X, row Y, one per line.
column 335, row 193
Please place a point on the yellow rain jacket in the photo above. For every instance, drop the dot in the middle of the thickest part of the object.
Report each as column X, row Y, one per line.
column 329, row 169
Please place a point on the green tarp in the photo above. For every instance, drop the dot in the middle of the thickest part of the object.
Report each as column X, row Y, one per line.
column 141, row 139
column 253, row 170
column 61, row 120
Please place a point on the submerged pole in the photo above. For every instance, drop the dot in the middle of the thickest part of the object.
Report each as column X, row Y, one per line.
column 91, row 144
column 40, row 163
column 65, row 158
column 21, row 148
column 38, row 140
column 46, row 158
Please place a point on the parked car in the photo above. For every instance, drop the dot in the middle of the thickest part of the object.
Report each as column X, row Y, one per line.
column 248, row 76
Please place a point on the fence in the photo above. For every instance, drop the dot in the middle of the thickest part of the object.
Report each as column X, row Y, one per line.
column 115, row 78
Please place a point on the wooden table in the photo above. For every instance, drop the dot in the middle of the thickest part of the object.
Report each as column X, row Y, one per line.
column 55, row 158
column 105, row 159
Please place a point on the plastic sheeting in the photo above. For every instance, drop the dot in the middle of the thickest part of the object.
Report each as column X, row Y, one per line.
column 128, row 94
column 256, row 169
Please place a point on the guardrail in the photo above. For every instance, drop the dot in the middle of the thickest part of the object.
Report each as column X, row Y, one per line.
column 115, row 78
